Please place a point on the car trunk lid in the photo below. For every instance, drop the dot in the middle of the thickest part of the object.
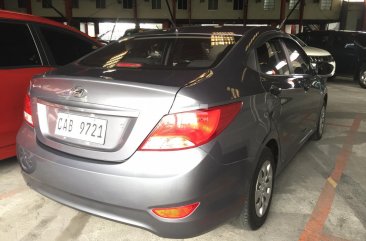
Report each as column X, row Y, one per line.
column 100, row 118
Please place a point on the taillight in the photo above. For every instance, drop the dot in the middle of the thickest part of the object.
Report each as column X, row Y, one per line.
column 28, row 110
column 190, row 129
column 176, row 212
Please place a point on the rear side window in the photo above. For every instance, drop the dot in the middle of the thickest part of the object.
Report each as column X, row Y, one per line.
column 17, row 47
column 271, row 58
column 163, row 52
column 298, row 59
column 65, row 46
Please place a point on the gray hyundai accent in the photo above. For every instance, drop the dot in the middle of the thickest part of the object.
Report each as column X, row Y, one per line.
column 174, row 131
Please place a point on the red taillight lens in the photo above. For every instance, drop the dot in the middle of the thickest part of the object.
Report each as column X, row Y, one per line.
column 28, row 110
column 176, row 212
column 190, row 129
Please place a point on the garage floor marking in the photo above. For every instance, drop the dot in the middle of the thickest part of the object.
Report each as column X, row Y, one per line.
column 11, row 193
column 314, row 227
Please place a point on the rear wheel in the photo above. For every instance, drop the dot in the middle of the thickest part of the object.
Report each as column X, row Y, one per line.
column 362, row 76
column 259, row 198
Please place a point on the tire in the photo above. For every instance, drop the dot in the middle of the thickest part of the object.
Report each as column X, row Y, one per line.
column 256, row 206
column 320, row 124
column 362, row 77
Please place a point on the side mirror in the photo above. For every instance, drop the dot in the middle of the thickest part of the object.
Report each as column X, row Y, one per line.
column 324, row 69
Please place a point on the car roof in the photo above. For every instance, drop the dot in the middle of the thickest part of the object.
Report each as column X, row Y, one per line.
column 4, row 14
column 206, row 30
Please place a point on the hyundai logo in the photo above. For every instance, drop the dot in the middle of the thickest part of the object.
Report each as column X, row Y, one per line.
column 78, row 92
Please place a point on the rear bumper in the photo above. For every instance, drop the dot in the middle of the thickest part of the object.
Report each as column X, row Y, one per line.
column 127, row 191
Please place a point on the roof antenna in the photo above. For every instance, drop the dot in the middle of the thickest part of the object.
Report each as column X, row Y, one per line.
column 289, row 14
column 171, row 15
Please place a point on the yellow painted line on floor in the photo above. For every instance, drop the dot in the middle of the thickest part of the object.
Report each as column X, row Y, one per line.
column 332, row 182
column 313, row 229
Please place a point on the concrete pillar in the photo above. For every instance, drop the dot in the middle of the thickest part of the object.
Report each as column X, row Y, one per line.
column 363, row 24
column 301, row 15
column 245, row 12
column 283, row 12
column 29, row 6
column 68, row 11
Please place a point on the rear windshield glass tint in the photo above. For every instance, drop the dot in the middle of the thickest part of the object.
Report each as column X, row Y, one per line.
column 163, row 52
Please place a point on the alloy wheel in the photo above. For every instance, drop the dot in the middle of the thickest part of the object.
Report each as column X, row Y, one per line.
column 363, row 77
column 263, row 188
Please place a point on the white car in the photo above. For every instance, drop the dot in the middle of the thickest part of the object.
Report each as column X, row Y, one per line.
column 316, row 55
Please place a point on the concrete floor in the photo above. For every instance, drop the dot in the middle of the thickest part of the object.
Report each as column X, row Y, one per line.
column 320, row 196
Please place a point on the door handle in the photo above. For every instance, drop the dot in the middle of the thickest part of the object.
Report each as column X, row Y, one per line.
column 275, row 90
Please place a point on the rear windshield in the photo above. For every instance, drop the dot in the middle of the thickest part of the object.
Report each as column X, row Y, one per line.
column 163, row 52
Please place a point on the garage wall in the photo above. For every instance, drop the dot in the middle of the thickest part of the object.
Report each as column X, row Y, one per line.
column 87, row 9
column 312, row 10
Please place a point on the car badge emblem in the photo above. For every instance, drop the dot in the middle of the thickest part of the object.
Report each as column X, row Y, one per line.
column 78, row 92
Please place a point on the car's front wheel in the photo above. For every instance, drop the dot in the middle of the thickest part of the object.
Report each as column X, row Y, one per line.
column 320, row 124
column 362, row 76
column 259, row 198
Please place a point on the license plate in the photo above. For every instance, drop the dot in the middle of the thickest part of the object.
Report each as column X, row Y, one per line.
column 81, row 127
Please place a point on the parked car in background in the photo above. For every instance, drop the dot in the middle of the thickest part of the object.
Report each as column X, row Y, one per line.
column 30, row 45
column 316, row 55
column 347, row 47
column 174, row 131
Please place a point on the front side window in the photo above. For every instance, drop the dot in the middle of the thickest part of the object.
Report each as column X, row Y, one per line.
column 297, row 58
column 213, row 4
column 75, row 3
column 320, row 40
column 46, row 3
column 271, row 59
column 65, row 46
column 182, row 4
column 269, row 4
column 100, row 4
column 17, row 48
column 182, row 52
column 238, row 4
column 127, row 4
column 342, row 39
column 156, row 4
column 293, row 3
column 325, row 4
column 360, row 39
column 22, row 4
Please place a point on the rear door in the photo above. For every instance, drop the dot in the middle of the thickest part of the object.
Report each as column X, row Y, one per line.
column 19, row 60
column 276, row 79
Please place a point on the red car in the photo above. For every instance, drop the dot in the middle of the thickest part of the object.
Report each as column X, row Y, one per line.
column 30, row 45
